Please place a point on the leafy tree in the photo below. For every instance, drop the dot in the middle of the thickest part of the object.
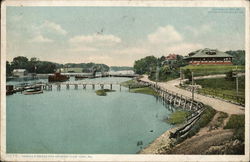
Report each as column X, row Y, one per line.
column 8, row 68
column 238, row 57
column 229, row 75
column 188, row 74
column 20, row 62
column 145, row 65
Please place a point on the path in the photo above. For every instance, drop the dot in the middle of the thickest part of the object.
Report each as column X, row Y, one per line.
column 217, row 104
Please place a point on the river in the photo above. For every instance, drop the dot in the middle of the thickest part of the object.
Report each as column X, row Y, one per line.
column 80, row 122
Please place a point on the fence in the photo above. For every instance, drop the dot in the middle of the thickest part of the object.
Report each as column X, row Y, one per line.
column 216, row 93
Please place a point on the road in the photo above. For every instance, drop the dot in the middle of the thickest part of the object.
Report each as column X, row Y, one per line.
column 217, row 104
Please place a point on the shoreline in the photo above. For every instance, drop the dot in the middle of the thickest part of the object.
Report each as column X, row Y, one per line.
column 160, row 144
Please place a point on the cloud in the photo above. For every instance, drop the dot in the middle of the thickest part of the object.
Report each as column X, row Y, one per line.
column 40, row 39
column 183, row 48
column 165, row 35
column 132, row 51
column 96, row 40
column 53, row 27
column 203, row 29
column 83, row 49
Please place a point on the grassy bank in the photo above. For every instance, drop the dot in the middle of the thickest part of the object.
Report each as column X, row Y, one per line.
column 132, row 84
column 178, row 117
column 144, row 90
column 220, row 87
column 202, row 70
column 103, row 92
column 237, row 122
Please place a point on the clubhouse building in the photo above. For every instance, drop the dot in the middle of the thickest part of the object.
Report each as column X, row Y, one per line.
column 208, row 56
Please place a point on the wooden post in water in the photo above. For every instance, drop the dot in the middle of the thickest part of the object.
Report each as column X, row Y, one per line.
column 102, row 86
column 93, row 86
column 111, row 86
column 58, row 87
column 67, row 86
column 84, row 86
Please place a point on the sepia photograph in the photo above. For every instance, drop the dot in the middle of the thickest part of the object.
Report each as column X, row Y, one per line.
column 124, row 80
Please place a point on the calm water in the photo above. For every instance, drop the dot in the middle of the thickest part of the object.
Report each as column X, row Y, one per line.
column 78, row 121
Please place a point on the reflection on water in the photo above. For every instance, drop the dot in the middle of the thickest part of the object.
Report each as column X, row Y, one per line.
column 78, row 121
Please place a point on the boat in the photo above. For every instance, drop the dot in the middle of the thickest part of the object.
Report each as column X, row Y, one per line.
column 58, row 77
column 81, row 77
column 32, row 91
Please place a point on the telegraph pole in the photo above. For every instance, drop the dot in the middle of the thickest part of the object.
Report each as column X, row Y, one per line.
column 157, row 74
column 237, row 82
column 180, row 76
column 192, row 85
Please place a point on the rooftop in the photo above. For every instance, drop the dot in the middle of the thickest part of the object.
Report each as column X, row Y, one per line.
column 204, row 53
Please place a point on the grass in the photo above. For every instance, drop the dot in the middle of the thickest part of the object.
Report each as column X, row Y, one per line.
column 145, row 90
column 237, row 122
column 202, row 70
column 178, row 117
column 219, row 86
column 220, row 119
column 103, row 92
column 132, row 84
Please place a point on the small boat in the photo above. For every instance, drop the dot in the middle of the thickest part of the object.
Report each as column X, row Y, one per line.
column 33, row 91
column 58, row 77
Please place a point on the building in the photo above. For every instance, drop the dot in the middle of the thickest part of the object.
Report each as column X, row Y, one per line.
column 208, row 56
column 171, row 59
column 19, row 72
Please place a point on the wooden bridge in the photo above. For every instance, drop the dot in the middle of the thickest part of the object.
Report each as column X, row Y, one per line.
column 76, row 85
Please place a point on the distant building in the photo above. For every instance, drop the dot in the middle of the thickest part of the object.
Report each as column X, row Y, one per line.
column 171, row 59
column 19, row 72
column 208, row 56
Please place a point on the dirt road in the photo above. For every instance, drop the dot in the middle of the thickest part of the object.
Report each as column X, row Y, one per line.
column 217, row 104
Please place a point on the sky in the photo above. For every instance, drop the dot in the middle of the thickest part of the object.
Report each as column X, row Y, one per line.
column 117, row 36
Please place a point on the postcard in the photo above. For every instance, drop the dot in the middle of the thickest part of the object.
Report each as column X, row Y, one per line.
column 124, row 80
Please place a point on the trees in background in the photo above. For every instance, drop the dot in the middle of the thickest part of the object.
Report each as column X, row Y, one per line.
column 238, row 57
column 145, row 65
column 148, row 65
column 34, row 65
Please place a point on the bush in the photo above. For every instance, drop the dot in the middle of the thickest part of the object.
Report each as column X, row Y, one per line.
column 237, row 122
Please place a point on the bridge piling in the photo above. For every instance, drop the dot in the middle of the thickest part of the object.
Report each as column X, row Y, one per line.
column 102, row 86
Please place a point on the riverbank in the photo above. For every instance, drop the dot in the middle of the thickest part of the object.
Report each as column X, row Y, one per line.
column 211, row 135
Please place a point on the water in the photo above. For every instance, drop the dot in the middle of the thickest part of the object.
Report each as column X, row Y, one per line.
column 80, row 122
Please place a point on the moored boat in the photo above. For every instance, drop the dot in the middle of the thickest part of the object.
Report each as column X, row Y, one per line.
column 33, row 91
column 58, row 77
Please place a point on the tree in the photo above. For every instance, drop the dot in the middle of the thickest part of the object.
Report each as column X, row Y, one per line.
column 145, row 65
column 238, row 57
column 20, row 62
column 188, row 74
column 8, row 68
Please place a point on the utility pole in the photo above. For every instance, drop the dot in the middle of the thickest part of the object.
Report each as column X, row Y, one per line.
column 180, row 76
column 192, row 85
column 237, row 82
column 157, row 74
